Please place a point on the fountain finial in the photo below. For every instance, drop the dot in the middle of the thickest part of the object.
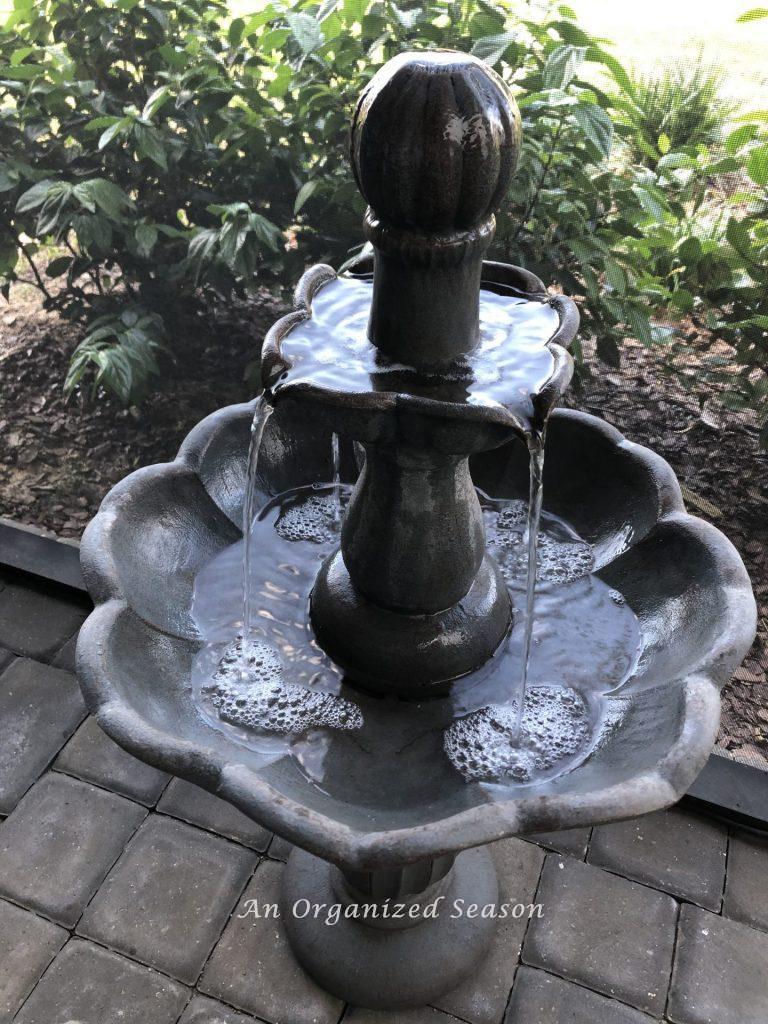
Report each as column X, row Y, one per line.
column 435, row 140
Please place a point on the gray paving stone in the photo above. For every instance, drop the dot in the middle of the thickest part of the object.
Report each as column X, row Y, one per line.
column 89, row 985
column 209, row 1011
column 673, row 850
column 65, row 656
column 746, row 888
column 607, row 933
column 253, row 968
column 6, row 657
column 92, row 756
column 482, row 999
column 424, row 1015
column 199, row 807
column 279, row 849
column 36, row 622
column 167, row 899
column 720, row 971
column 27, row 946
column 540, row 998
column 573, row 841
column 60, row 842
column 40, row 708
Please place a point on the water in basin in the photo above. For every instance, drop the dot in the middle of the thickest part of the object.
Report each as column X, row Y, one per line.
column 279, row 693
column 510, row 363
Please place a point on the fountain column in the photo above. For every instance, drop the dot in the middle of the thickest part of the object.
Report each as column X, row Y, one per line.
column 435, row 139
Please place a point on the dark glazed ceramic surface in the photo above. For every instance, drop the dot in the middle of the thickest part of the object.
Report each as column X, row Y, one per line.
column 682, row 578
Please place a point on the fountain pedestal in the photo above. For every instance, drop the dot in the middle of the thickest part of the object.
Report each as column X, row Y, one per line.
column 403, row 936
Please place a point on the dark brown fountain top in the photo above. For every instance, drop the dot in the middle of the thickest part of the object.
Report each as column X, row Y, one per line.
column 435, row 140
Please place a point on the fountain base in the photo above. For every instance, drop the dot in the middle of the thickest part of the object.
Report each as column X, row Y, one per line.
column 386, row 954
column 408, row 655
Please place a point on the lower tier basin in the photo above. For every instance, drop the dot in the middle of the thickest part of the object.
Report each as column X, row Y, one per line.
column 383, row 789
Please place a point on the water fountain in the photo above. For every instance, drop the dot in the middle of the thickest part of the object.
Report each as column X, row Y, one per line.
column 416, row 659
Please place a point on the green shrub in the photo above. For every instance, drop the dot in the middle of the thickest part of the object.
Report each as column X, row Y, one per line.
column 720, row 271
column 175, row 154
column 682, row 105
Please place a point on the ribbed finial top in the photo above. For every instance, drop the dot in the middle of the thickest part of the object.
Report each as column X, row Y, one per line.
column 435, row 140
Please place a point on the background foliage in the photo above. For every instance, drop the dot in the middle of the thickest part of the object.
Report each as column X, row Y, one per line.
column 174, row 155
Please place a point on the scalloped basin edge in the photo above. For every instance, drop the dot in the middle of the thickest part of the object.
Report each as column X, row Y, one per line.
column 681, row 576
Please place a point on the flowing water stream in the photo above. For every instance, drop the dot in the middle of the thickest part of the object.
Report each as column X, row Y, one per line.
column 533, row 520
column 260, row 417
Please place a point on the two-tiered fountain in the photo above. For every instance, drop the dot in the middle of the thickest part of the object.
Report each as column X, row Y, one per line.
column 416, row 661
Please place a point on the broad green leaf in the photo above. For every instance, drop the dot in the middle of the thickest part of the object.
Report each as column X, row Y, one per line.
column 265, row 230
column 306, row 31
column 146, row 237
column 754, row 14
column 304, row 193
column 58, row 266
column 9, row 178
column 155, row 101
column 639, row 325
column 235, row 32
column 562, row 65
column 672, row 161
column 22, row 73
column 740, row 137
column 21, row 54
column 99, row 123
column 689, row 251
column 35, row 196
column 649, row 202
column 615, row 276
column 682, row 299
column 275, row 39
column 492, row 48
column 109, row 197
column 737, row 234
column 757, row 165
column 596, row 125
column 281, row 83
column 149, row 145
column 112, row 131
column 9, row 254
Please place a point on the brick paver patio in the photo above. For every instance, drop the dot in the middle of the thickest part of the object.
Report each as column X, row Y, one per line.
column 120, row 890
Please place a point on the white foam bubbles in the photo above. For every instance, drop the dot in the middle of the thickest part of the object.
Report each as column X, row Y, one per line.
column 557, row 561
column 484, row 746
column 314, row 519
column 248, row 691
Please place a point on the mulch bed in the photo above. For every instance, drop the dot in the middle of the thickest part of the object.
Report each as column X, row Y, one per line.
column 58, row 459
column 722, row 471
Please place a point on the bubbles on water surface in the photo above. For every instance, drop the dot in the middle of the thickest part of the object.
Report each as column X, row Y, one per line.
column 512, row 515
column 314, row 519
column 484, row 745
column 278, row 694
column 248, row 690
column 560, row 558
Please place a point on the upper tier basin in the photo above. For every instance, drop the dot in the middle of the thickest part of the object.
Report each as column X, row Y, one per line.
column 395, row 798
column 320, row 355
